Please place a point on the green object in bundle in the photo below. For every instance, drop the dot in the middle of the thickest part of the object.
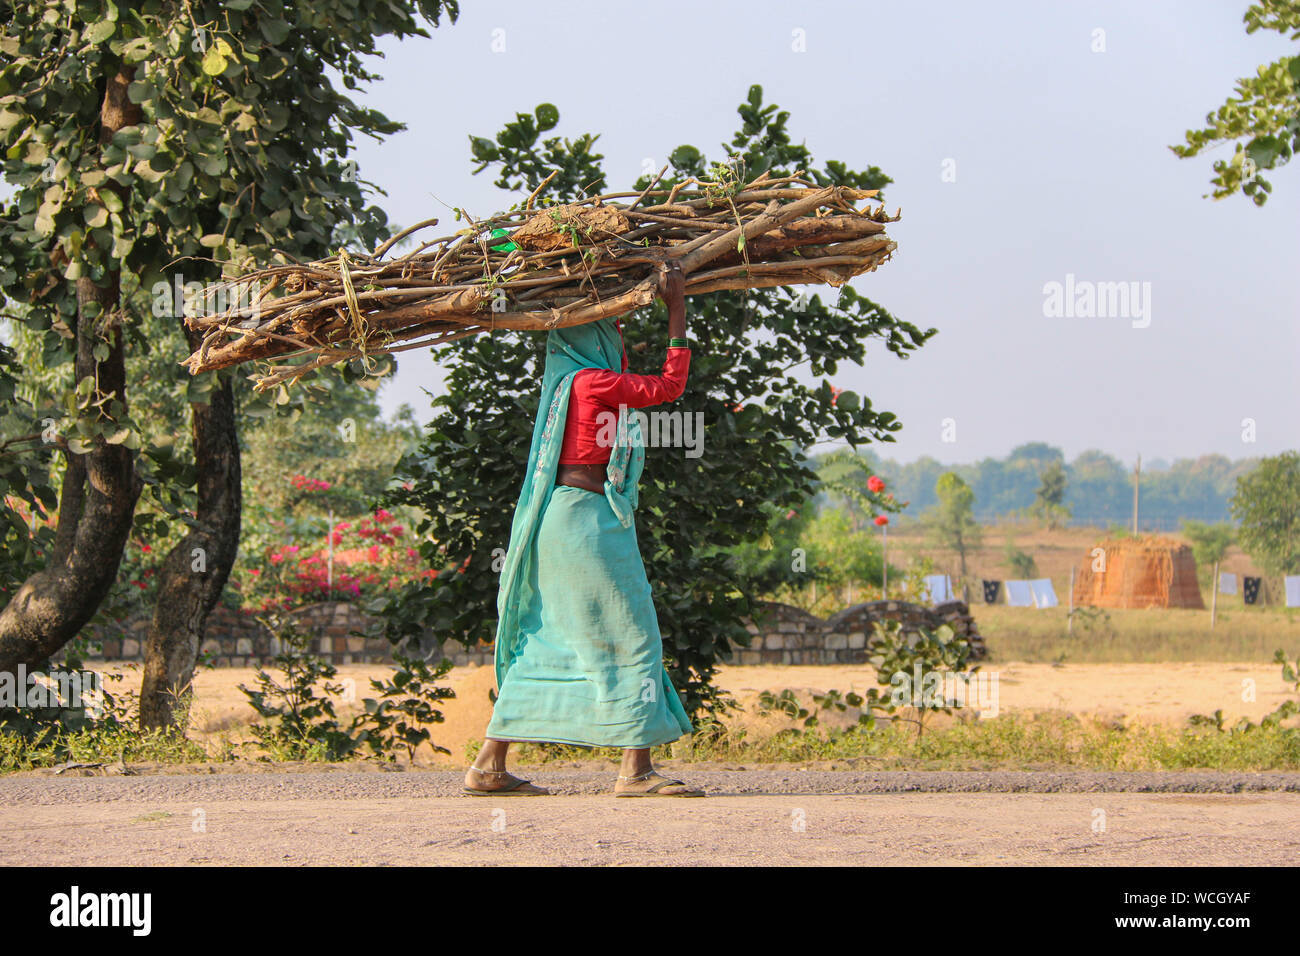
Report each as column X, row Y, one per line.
column 505, row 246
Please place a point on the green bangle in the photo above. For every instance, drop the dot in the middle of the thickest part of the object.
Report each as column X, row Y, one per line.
column 678, row 344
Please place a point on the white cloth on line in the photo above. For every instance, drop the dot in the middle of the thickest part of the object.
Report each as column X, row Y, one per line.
column 1227, row 583
column 1292, row 582
column 938, row 588
column 1044, row 595
column 1019, row 594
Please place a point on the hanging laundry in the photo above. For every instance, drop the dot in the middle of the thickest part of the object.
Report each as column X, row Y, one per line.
column 938, row 588
column 1019, row 594
column 1044, row 595
column 1292, row 583
column 991, row 591
column 1227, row 583
column 1250, row 588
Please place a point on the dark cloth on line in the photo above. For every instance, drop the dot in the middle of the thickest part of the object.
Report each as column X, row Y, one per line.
column 1250, row 588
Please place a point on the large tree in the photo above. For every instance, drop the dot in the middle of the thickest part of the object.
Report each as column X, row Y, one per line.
column 951, row 523
column 1262, row 120
column 1267, row 508
column 1049, row 500
column 149, row 142
column 757, row 412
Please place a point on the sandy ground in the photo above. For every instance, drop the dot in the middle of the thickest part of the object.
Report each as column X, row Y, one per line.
column 1167, row 693
column 761, row 815
column 755, row 817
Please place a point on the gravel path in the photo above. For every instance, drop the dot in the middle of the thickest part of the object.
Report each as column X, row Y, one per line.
column 752, row 817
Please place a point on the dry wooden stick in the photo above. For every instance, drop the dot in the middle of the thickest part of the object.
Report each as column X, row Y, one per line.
column 559, row 266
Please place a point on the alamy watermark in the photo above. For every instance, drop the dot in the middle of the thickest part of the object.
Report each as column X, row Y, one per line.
column 194, row 298
column 64, row 689
column 935, row 690
column 1085, row 299
column 661, row 429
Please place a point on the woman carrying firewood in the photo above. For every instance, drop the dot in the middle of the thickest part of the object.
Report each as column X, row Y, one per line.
column 579, row 656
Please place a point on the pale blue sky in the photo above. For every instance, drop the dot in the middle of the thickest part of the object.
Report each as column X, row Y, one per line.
column 1062, row 168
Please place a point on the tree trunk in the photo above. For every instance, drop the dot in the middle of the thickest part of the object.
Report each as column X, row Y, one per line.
column 195, row 572
column 100, row 487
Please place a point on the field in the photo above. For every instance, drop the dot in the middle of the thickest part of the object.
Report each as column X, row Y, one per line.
column 1093, row 706
column 1086, row 758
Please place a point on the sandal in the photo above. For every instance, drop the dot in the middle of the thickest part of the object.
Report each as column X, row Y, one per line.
column 520, row 788
column 658, row 789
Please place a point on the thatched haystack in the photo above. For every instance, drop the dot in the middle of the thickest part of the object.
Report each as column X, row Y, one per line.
column 1140, row 573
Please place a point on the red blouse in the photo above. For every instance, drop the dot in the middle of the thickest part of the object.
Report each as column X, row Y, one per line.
column 597, row 390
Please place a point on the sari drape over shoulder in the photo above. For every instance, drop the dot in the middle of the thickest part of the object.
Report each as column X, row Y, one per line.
column 579, row 655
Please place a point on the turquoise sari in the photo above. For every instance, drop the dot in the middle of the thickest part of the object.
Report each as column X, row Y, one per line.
column 579, row 655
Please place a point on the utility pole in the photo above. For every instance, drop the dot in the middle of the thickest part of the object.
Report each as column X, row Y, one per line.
column 1069, row 618
column 1214, row 595
column 329, row 533
column 884, row 562
column 1137, row 481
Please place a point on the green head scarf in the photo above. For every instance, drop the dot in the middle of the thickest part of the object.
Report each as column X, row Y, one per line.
column 569, row 350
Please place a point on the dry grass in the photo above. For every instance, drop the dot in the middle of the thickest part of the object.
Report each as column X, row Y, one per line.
column 1156, row 635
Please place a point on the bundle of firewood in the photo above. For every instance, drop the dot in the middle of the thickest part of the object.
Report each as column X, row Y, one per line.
column 539, row 268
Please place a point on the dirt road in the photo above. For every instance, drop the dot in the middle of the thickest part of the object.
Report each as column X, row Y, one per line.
column 751, row 817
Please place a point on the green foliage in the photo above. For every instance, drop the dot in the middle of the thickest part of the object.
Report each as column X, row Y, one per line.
column 1049, row 501
column 833, row 701
column 234, row 150
column 104, row 730
column 1210, row 542
column 399, row 718
column 242, row 136
column 1267, row 509
column 27, row 495
column 297, row 719
column 848, row 475
column 778, row 557
column 1262, row 120
column 1099, row 487
column 1022, row 563
column 951, row 523
column 842, row 554
column 466, row 473
column 921, row 667
column 1010, row 741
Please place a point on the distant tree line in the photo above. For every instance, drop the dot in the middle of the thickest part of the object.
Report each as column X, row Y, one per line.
column 1098, row 487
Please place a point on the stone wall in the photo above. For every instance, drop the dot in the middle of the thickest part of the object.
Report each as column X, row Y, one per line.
column 786, row 635
column 781, row 635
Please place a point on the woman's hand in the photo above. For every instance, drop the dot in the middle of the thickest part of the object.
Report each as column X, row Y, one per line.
column 672, row 282
column 672, row 289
